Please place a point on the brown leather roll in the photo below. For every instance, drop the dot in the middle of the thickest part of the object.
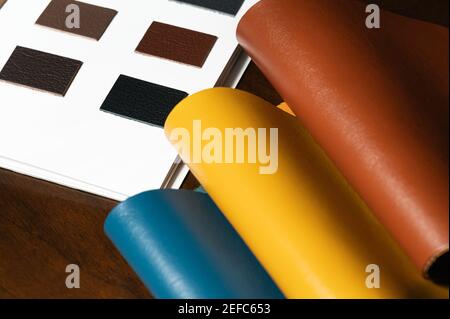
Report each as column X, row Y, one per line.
column 375, row 99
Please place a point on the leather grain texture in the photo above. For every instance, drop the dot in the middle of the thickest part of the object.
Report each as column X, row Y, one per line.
column 94, row 20
column 305, row 225
column 182, row 247
column 177, row 44
column 226, row 6
column 376, row 100
column 40, row 70
column 142, row 101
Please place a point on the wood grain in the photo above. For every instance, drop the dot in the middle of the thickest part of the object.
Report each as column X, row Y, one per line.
column 43, row 228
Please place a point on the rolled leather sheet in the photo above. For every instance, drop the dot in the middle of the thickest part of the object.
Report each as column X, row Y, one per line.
column 310, row 231
column 376, row 101
column 182, row 247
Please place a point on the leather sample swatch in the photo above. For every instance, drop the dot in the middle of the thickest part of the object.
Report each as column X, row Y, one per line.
column 94, row 20
column 226, row 6
column 177, row 44
column 2, row 2
column 40, row 70
column 182, row 247
column 376, row 100
column 142, row 101
column 311, row 232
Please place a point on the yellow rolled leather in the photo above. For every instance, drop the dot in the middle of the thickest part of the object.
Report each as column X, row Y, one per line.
column 306, row 226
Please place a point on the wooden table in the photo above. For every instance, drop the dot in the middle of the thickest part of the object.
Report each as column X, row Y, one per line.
column 44, row 227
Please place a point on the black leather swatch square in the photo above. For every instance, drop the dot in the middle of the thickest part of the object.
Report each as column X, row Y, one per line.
column 226, row 6
column 142, row 101
column 40, row 70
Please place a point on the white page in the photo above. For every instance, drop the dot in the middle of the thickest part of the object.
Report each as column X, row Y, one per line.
column 68, row 140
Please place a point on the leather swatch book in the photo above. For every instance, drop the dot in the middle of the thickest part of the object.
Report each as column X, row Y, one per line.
column 360, row 183
column 80, row 137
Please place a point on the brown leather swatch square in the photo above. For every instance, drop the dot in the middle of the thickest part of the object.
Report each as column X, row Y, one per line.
column 93, row 20
column 40, row 70
column 177, row 44
column 2, row 2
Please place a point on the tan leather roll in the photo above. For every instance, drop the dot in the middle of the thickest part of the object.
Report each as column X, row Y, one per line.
column 376, row 100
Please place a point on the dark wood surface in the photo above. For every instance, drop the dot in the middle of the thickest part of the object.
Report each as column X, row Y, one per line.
column 44, row 227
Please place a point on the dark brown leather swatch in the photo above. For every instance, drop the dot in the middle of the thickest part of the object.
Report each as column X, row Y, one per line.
column 94, row 20
column 177, row 44
column 142, row 101
column 40, row 70
column 226, row 6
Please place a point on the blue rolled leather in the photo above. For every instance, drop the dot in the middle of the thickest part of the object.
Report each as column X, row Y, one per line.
column 182, row 247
